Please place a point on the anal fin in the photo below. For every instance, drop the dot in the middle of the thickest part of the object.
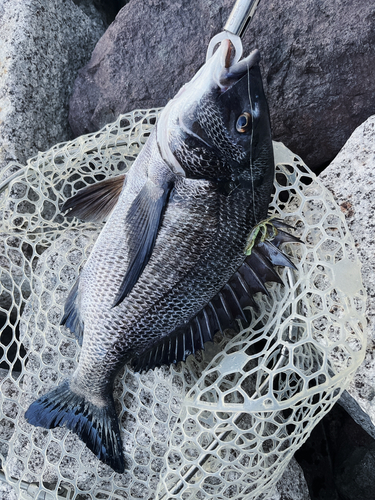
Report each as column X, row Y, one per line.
column 72, row 318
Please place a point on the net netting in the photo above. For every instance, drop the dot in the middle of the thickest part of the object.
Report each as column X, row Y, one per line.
column 222, row 425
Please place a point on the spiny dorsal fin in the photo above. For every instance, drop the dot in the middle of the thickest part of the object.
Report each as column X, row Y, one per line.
column 94, row 203
column 225, row 308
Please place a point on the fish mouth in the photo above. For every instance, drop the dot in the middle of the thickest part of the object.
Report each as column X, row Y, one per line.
column 231, row 73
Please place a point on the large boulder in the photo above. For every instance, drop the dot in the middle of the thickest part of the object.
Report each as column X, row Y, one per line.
column 318, row 62
column 149, row 51
column 317, row 66
column 351, row 178
column 43, row 44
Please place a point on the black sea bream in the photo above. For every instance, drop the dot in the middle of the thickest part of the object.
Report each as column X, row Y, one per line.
column 169, row 268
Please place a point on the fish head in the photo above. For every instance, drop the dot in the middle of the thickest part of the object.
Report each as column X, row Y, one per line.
column 218, row 127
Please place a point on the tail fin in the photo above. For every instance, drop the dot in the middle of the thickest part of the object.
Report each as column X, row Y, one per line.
column 96, row 426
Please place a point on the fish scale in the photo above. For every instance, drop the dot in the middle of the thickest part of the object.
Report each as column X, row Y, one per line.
column 223, row 254
column 166, row 272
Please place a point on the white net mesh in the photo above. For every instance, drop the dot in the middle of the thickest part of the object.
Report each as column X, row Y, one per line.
column 223, row 424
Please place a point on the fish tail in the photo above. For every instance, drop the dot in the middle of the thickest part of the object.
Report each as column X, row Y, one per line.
column 97, row 426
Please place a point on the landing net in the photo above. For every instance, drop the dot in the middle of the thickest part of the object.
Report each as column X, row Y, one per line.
column 222, row 425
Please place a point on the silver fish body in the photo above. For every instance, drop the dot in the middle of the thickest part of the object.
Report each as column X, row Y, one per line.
column 172, row 243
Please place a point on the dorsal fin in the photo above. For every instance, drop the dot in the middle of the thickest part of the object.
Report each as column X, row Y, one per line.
column 94, row 203
column 225, row 308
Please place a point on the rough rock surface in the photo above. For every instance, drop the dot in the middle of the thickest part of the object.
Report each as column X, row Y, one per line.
column 43, row 44
column 351, row 178
column 149, row 51
column 292, row 485
column 7, row 492
column 317, row 65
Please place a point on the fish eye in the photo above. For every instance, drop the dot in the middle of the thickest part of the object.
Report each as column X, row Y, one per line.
column 243, row 122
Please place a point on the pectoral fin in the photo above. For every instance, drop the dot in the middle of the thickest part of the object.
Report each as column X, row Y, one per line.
column 94, row 203
column 143, row 220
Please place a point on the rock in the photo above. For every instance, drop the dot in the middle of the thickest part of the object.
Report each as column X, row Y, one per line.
column 358, row 415
column 292, row 485
column 43, row 44
column 90, row 9
column 105, row 10
column 351, row 178
column 338, row 459
column 317, row 61
column 317, row 66
column 149, row 51
column 7, row 492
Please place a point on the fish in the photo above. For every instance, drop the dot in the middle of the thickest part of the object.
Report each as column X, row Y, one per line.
column 169, row 268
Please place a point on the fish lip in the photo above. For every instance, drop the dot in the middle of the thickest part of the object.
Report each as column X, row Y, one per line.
column 228, row 53
column 231, row 73
column 239, row 69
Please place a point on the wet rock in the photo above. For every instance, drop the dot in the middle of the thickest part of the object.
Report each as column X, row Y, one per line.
column 43, row 44
column 351, row 178
column 317, row 66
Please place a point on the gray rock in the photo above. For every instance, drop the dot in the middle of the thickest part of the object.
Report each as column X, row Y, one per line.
column 292, row 485
column 7, row 492
column 317, row 65
column 358, row 415
column 149, row 51
column 43, row 44
column 317, row 58
column 351, row 178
